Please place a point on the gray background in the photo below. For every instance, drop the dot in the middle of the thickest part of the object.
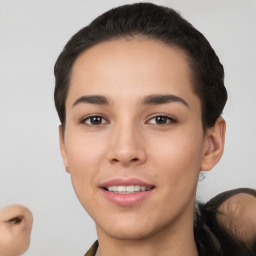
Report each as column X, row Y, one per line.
column 32, row 34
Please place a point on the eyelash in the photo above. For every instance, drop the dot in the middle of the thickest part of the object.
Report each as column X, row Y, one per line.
column 168, row 120
column 101, row 120
column 90, row 118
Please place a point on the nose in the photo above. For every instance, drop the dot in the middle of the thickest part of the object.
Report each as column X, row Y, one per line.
column 127, row 147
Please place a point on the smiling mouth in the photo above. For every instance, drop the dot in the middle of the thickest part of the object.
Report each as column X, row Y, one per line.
column 127, row 189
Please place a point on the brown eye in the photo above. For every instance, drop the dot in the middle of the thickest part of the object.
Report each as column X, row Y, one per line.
column 95, row 120
column 161, row 120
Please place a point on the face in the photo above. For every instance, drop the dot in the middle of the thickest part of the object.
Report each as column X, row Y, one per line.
column 133, row 141
column 15, row 229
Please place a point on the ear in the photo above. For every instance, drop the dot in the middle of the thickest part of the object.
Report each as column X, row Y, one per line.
column 214, row 145
column 63, row 148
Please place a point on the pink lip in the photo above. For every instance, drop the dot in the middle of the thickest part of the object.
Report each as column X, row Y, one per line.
column 126, row 199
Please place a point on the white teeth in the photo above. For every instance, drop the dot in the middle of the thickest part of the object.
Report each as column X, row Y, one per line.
column 127, row 189
column 137, row 188
column 120, row 189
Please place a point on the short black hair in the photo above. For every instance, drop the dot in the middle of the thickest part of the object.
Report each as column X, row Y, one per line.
column 151, row 22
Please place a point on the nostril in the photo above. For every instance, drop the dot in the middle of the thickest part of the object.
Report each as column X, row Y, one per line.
column 135, row 160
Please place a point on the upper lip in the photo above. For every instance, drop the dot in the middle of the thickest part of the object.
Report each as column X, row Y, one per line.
column 120, row 181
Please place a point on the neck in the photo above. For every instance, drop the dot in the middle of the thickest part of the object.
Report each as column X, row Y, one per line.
column 176, row 240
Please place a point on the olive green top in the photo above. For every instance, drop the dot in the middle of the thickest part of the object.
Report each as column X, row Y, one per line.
column 92, row 251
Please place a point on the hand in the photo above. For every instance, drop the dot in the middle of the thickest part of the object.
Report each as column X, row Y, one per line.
column 15, row 229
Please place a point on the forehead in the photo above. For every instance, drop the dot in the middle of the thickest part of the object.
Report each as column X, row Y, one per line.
column 137, row 67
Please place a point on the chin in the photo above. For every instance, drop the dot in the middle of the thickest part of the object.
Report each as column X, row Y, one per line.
column 126, row 228
column 129, row 233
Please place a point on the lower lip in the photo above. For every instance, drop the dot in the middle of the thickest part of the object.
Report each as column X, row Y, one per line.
column 126, row 199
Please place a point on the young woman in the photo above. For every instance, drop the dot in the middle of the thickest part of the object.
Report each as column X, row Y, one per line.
column 140, row 93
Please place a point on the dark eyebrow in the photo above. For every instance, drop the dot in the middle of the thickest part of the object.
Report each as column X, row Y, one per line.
column 92, row 99
column 163, row 99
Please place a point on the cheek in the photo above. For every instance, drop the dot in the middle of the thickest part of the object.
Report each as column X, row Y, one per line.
column 179, row 156
column 83, row 152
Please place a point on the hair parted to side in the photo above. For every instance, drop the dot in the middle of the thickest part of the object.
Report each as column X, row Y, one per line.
column 151, row 22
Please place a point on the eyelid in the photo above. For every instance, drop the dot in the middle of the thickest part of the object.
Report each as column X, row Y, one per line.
column 171, row 118
column 85, row 118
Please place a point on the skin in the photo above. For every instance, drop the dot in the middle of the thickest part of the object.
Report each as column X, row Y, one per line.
column 130, row 143
column 15, row 229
